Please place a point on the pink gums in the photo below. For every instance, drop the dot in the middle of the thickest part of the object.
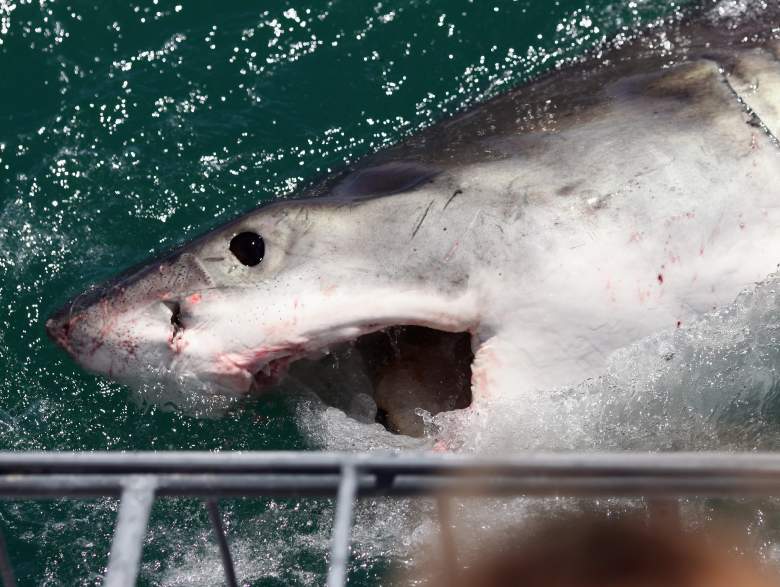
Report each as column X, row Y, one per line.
column 246, row 367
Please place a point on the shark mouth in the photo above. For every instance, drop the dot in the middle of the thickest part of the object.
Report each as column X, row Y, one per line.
column 395, row 377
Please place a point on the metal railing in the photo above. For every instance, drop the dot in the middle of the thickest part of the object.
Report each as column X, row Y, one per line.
column 139, row 478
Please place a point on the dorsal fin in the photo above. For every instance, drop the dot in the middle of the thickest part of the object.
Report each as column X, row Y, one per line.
column 384, row 180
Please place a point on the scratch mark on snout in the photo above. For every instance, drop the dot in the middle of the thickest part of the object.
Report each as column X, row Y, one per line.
column 419, row 223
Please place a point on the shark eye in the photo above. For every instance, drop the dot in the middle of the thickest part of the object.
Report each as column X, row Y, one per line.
column 248, row 248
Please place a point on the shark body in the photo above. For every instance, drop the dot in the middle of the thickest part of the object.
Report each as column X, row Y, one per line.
column 555, row 224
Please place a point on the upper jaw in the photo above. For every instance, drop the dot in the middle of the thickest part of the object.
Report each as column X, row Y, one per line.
column 255, row 369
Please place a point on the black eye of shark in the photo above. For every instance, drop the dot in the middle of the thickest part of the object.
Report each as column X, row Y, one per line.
column 248, row 248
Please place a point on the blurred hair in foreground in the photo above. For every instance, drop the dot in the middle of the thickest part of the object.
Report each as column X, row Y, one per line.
column 583, row 551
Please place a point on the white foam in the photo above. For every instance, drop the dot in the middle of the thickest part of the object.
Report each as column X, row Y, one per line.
column 329, row 428
column 735, row 12
column 261, row 548
column 186, row 394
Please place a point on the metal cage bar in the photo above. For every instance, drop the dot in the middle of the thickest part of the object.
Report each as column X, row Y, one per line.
column 6, row 570
column 342, row 527
column 224, row 548
column 140, row 478
column 126, row 547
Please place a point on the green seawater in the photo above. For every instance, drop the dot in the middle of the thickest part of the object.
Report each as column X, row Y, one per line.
column 129, row 127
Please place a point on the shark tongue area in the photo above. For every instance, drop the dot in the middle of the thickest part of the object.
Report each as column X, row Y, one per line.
column 391, row 375
column 415, row 368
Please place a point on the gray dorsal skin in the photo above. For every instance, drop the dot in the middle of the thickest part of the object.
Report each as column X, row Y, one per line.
column 556, row 223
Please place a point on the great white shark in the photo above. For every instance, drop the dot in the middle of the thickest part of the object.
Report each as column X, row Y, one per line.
column 554, row 224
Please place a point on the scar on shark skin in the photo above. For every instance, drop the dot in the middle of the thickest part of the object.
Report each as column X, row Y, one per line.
column 452, row 197
column 419, row 224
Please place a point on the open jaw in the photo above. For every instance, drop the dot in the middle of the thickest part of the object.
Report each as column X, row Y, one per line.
column 393, row 376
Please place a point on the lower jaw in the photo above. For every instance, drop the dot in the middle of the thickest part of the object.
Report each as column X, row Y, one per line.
column 404, row 370
column 266, row 379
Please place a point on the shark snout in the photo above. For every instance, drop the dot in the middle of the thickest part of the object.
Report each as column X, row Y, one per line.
column 61, row 324
column 144, row 318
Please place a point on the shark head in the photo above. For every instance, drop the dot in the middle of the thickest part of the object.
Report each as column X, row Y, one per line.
column 233, row 308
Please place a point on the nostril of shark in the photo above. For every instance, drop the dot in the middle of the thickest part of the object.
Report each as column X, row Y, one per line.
column 58, row 325
column 51, row 328
column 54, row 328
